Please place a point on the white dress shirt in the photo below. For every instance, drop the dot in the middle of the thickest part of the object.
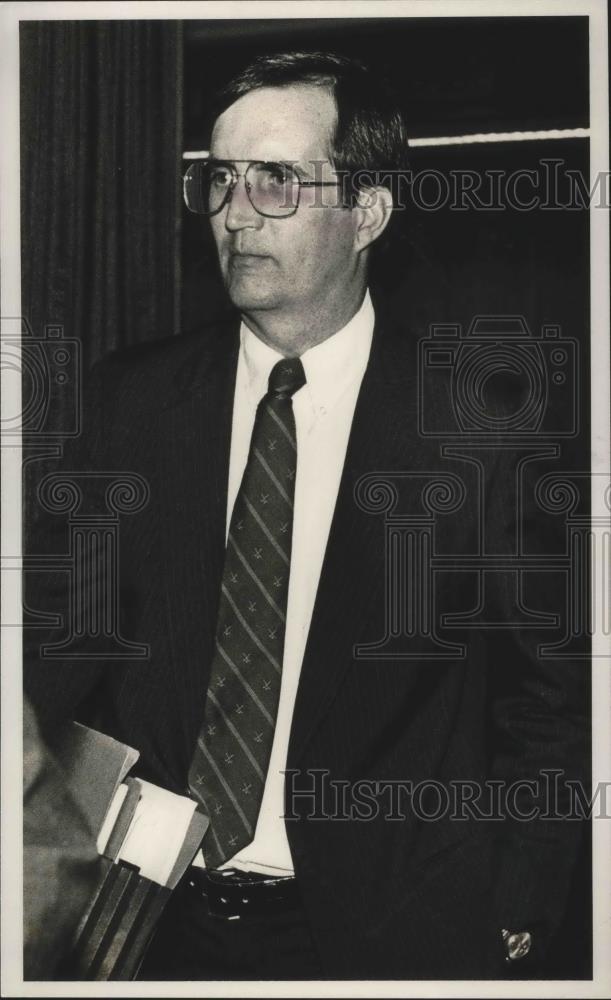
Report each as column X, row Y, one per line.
column 323, row 409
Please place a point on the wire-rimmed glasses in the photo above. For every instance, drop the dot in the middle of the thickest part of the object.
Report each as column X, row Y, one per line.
column 273, row 188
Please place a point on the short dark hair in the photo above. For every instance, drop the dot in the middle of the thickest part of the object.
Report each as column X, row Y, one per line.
column 370, row 142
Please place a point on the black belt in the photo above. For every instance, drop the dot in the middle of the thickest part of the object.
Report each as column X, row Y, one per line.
column 231, row 893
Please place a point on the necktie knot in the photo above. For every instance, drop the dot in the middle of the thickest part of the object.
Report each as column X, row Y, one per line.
column 286, row 377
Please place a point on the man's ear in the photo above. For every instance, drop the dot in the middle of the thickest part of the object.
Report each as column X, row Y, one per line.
column 373, row 209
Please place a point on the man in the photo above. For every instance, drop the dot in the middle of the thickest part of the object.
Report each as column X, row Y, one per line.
column 256, row 572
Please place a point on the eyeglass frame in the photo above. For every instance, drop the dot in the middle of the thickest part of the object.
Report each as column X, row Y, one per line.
column 301, row 182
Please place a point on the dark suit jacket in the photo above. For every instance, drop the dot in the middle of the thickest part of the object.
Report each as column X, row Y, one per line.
column 387, row 897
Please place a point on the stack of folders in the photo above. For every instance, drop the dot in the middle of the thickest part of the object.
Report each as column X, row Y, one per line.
column 147, row 837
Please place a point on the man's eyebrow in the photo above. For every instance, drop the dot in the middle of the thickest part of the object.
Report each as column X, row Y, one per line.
column 284, row 160
column 304, row 173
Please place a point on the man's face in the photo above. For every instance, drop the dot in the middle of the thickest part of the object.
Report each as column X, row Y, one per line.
column 302, row 263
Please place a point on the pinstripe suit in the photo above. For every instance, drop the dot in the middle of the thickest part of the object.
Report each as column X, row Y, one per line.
column 386, row 898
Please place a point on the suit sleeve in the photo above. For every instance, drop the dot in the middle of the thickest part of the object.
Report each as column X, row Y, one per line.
column 540, row 727
column 56, row 686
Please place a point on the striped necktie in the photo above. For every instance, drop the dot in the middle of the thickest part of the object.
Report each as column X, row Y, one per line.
column 231, row 758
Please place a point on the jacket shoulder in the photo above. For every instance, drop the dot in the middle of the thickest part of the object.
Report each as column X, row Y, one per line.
column 170, row 350
column 157, row 369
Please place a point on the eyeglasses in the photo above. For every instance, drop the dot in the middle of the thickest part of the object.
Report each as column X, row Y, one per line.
column 273, row 188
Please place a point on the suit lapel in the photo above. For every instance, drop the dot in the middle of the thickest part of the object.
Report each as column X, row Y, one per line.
column 195, row 435
column 383, row 438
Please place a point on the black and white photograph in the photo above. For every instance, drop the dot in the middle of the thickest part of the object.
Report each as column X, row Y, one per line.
column 306, row 499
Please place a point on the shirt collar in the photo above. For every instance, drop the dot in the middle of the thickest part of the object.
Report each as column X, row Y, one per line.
column 330, row 367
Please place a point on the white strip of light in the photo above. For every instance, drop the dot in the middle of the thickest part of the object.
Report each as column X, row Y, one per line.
column 478, row 137
column 463, row 140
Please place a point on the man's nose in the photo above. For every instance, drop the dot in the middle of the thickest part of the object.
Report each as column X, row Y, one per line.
column 240, row 211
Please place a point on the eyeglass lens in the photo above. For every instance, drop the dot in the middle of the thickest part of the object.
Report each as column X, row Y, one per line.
column 273, row 188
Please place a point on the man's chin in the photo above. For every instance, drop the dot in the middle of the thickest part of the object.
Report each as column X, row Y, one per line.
column 246, row 295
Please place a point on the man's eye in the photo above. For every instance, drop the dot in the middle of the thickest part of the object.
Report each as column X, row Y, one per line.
column 220, row 177
column 277, row 175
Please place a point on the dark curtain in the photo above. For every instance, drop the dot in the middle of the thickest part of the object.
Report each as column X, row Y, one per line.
column 101, row 127
column 101, row 145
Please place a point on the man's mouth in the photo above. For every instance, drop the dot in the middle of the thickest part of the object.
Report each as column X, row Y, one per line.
column 246, row 256
column 240, row 258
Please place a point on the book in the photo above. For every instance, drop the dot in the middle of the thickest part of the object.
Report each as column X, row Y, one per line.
column 94, row 766
column 147, row 836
